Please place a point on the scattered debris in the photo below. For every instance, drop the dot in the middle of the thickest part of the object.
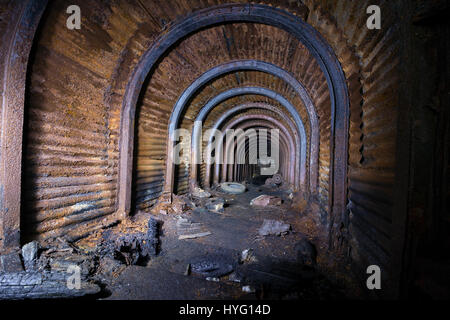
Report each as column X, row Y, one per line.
column 248, row 289
column 216, row 205
column 187, row 229
column 132, row 248
column 265, row 200
column 214, row 266
column 194, row 236
column 179, row 205
column 232, row 187
column 233, row 277
column 274, row 227
column 247, row 256
column 306, row 252
column 110, row 267
column 212, row 279
column 200, row 193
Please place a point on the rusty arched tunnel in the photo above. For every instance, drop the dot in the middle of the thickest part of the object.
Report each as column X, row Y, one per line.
column 122, row 140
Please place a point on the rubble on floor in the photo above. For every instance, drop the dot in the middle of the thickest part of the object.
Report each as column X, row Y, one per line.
column 212, row 266
column 48, row 265
column 247, row 256
column 30, row 254
column 248, row 289
column 187, row 229
column 216, row 205
column 200, row 193
column 180, row 204
column 266, row 200
column 274, row 227
column 132, row 248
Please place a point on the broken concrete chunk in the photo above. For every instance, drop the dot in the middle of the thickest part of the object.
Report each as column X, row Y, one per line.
column 247, row 256
column 30, row 254
column 200, row 193
column 213, row 279
column 274, row 227
column 216, row 205
column 265, row 200
column 248, row 289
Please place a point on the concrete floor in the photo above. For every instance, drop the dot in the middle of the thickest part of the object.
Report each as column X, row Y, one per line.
column 275, row 275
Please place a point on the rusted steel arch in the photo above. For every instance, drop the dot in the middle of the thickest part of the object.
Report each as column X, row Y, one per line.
column 284, row 147
column 263, row 67
column 26, row 17
column 258, row 105
column 284, row 150
column 266, row 119
column 257, row 13
column 244, row 91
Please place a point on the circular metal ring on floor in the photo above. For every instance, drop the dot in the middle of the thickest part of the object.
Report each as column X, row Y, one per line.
column 277, row 179
column 232, row 187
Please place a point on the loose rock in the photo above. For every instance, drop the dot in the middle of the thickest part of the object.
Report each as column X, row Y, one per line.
column 30, row 254
column 200, row 193
column 216, row 205
column 247, row 256
column 274, row 227
column 266, row 200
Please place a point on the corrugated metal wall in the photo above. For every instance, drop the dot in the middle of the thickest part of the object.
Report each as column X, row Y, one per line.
column 70, row 155
column 371, row 65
